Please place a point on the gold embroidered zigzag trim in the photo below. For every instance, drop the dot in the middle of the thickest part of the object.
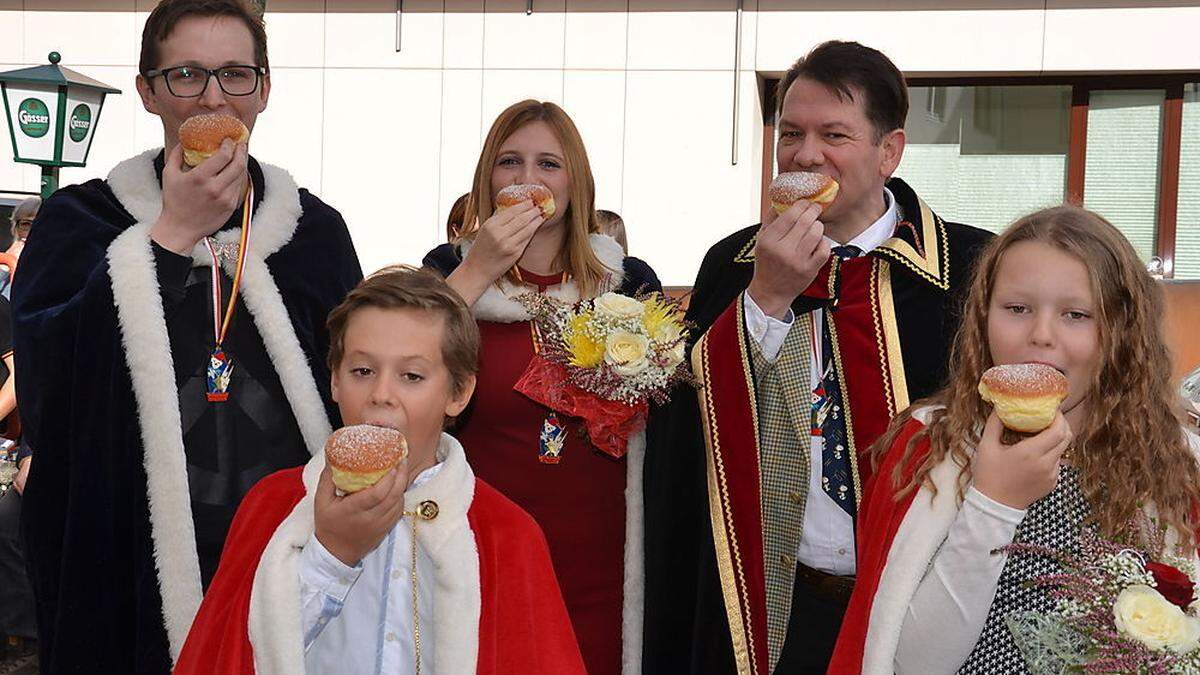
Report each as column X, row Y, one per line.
column 879, row 340
column 933, row 265
column 729, row 561
column 746, row 255
column 891, row 343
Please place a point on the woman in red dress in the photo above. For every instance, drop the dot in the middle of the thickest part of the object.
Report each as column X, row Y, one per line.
column 587, row 502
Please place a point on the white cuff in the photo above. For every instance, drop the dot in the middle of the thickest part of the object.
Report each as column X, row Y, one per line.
column 321, row 571
column 994, row 508
column 767, row 331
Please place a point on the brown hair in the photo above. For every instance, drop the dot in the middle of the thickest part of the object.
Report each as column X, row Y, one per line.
column 1131, row 450
column 169, row 13
column 402, row 286
column 580, row 218
column 613, row 225
column 847, row 68
column 454, row 221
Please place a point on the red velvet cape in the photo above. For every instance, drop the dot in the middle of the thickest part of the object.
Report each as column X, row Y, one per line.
column 879, row 517
column 523, row 624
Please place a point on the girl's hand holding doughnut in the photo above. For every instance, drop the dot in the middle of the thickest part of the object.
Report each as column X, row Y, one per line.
column 1020, row 474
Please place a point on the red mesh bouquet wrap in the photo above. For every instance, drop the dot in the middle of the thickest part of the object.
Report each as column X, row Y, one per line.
column 609, row 424
column 604, row 361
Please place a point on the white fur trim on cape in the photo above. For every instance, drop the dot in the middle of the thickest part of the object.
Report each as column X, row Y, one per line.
column 498, row 304
column 917, row 541
column 634, row 598
column 275, row 623
column 138, row 301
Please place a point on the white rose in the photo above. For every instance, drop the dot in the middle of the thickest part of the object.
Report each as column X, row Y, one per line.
column 626, row 352
column 619, row 306
column 675, row 355
column 1145, row 615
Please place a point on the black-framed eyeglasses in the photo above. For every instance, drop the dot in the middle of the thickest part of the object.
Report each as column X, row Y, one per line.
column 191, row 81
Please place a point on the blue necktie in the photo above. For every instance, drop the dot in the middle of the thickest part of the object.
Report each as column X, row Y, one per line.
column 829, row 415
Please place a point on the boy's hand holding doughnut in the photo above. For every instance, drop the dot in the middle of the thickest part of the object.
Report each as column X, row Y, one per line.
column 369, row 465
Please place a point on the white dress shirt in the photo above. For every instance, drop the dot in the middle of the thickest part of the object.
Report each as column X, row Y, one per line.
column 360, row 619
column 827, row 542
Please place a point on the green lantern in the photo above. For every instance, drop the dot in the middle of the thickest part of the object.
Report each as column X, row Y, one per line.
column 52, row 114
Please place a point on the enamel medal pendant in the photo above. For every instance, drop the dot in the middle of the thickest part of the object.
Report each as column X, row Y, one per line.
column 220, row 365
column 220, row 369
column 553, row 437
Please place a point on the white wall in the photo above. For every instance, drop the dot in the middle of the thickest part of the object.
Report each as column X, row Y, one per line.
column 649, row 83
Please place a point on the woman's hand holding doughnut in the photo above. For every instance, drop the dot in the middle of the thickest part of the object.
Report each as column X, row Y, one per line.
column 498, row 245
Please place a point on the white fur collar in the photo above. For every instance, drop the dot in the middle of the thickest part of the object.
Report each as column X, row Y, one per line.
column 925, row 526
column 138, row 301
column 498, row 304
column 275, row 617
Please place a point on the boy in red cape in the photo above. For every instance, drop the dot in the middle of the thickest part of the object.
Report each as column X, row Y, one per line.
column 312, row 581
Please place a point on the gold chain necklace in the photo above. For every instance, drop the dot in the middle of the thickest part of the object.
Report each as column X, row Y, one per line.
column 426, row 510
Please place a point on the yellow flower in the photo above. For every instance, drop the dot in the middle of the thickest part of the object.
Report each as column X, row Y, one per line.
column 661, row 321
column 585, row 350
column 1144, row 614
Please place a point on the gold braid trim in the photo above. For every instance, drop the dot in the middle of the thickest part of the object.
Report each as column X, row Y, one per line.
column 729, row 561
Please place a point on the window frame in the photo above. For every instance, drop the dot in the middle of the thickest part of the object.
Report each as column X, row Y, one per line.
column 1082, row 86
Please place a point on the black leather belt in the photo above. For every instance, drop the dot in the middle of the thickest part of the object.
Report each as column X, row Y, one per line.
column 827, row 586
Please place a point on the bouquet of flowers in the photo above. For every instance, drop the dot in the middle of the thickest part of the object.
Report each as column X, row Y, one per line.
column 605, row 360
column 1118, row 610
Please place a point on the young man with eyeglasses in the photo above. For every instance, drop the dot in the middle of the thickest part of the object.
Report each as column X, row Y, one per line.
column 118, row 319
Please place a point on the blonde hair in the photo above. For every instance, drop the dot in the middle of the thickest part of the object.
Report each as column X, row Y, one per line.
column 1130, row 450
column 580, row 218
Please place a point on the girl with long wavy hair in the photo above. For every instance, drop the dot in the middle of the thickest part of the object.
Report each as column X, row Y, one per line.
column 1062, row 287
column 587, row 503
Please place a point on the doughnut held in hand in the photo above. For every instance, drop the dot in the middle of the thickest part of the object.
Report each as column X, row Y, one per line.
column 359, row 455
column 1026, row 395
column 515, row 194
column 201, row 135
column 792, row 186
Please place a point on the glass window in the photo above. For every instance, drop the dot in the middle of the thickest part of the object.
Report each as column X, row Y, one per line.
column 986, row 156
column 1121, row 174
column 1187, row 224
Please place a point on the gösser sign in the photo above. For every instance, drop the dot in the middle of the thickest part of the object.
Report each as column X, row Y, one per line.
column 52, row 114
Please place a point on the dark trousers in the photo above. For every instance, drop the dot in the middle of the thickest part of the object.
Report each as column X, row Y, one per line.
column 16, row 596
column 812, row 630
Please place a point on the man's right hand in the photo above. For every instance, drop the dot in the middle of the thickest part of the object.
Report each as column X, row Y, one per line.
column 352, row 526
column 196, row 202
column 790, row 251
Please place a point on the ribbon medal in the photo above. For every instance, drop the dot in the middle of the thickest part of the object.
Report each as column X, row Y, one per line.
column 220, row 365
